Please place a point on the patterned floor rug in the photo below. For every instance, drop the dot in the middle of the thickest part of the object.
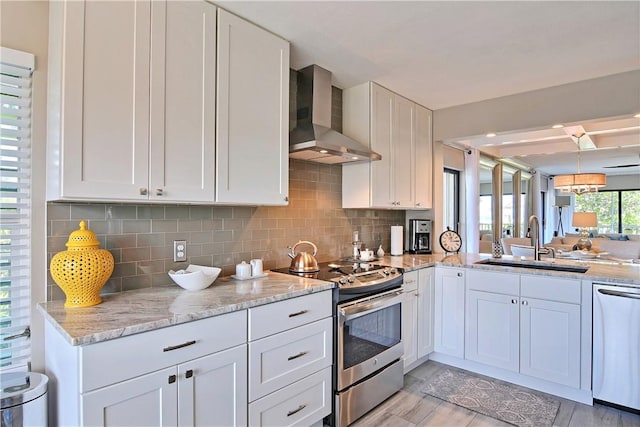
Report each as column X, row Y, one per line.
column 506, row 402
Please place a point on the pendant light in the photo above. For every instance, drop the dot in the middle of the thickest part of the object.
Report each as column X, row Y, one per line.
column 579, row 183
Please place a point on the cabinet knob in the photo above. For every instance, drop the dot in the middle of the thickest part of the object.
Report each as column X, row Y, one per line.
column 286, row 198
column 172, row 379
column 418, row 204
column 143, row 191
column 459, row 274
column 159, row 192
column 514, row 301
column 189, row 373
column 525, row 303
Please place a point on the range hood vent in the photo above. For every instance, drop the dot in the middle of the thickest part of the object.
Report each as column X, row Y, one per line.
column 313, row 139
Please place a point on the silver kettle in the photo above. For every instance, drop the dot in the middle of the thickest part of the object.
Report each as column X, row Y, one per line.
column 303, row 262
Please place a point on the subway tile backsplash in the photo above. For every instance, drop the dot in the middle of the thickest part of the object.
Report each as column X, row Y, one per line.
column 140, row 237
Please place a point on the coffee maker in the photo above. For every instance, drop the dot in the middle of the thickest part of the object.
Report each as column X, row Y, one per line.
column 419, row 236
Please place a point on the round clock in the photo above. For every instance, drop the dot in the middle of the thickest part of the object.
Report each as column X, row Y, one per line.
column 450, row 241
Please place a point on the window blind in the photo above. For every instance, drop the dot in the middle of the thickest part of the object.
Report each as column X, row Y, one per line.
column 15, row 208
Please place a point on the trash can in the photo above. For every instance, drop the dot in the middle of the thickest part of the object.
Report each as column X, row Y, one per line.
column 23, row 399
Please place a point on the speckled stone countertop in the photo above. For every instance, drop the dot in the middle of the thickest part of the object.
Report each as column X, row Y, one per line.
column 599, row 271
column 132, row 312
column 144, row 310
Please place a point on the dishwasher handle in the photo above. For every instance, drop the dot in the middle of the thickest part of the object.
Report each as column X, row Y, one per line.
column 619, row 294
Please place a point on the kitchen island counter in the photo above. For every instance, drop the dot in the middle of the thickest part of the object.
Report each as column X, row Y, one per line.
column 132, row 312
column 599, row 271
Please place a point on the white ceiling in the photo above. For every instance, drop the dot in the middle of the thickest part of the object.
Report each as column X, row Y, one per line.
column 446, row 53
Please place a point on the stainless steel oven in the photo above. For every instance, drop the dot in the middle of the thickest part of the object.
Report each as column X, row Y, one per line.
column 367, row 365
column 369, row 351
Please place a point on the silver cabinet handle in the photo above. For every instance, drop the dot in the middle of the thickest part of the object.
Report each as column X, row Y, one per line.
column 295, row 411
column 286, row 198
column 418, row 204
column 302, row 353
column 143, row 191
column 525, row 303
column 159, row 192
column 459, row 274
column 298, row 313
column 175, row 347
column 514, row 301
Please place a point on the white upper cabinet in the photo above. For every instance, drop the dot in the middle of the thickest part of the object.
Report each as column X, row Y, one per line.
column 135, row 95
column 400, row 131
column 183, row 96
column 98, row 102
column 252, row 152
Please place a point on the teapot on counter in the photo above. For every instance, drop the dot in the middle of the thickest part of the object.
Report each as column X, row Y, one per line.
column 303, row 262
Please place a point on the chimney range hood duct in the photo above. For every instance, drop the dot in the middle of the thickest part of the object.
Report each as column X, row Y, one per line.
column 313, row 139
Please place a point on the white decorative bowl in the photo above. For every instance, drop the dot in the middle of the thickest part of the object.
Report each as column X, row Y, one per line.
column 195, row 277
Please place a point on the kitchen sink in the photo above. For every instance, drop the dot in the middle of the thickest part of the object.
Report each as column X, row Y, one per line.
column 536, row 265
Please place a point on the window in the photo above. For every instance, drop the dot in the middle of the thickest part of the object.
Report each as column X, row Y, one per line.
column 617, row 211
column 451, row 198
column 15, row 207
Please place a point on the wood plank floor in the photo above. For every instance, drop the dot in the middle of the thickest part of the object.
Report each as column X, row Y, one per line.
column 410, row 407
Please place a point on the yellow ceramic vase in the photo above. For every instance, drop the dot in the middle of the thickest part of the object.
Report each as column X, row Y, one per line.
column 82, row 270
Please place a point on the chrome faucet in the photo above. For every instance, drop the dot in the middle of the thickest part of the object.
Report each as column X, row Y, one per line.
column 534, row 233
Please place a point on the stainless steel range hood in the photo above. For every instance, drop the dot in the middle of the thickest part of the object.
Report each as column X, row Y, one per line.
column 313, row 139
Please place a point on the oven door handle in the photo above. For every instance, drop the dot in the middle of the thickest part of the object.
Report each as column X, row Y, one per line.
column 360, row 309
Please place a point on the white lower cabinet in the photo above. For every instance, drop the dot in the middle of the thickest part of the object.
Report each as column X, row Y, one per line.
column 290, row 359
column 410, row 319
column 525, row 324
column 194, row 393
column 449, row 311
column 417, row 316
column 188, row 374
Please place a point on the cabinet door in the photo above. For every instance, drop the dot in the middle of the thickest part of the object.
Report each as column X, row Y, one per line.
column 382, row 194
column 102, row 140
column 410, row 328
column 449, row 312
column 423, row 159
column 492, row 329
column 403, row 159
column 252, row 151
column 213, row 389
column 146, row 400
column 550, row 341
column 183, row 96
column 426, row 297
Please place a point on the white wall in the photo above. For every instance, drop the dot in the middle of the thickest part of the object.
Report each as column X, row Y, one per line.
column 24, row 26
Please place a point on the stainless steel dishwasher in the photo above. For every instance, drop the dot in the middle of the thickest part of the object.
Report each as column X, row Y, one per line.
column 616, row 345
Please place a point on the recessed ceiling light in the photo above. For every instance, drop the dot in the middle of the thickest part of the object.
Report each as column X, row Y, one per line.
column 558, row 126
column 491, row 135
column 355, row 158
column 637, row 116
column 324, row 151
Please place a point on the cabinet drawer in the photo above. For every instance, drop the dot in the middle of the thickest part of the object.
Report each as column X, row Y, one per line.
column 551, row 288
column 284, row 358
column 112, row 361
column 491, row 281
column 410, row 282
column 273, row 318
column 301, row 403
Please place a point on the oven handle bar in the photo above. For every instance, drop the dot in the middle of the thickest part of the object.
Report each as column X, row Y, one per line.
column 360, row 309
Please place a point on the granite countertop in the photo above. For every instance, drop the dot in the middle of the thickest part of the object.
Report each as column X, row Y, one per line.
column 143, row 310
column 131, row 312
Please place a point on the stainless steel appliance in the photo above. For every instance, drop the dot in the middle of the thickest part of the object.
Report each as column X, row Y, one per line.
column 616, row 345
column 419, row 236
column 368, row 347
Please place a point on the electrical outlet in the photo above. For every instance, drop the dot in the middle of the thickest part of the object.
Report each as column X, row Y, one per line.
column 179, row 250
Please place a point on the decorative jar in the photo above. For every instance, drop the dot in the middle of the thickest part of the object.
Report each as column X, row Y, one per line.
column 82, row 270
